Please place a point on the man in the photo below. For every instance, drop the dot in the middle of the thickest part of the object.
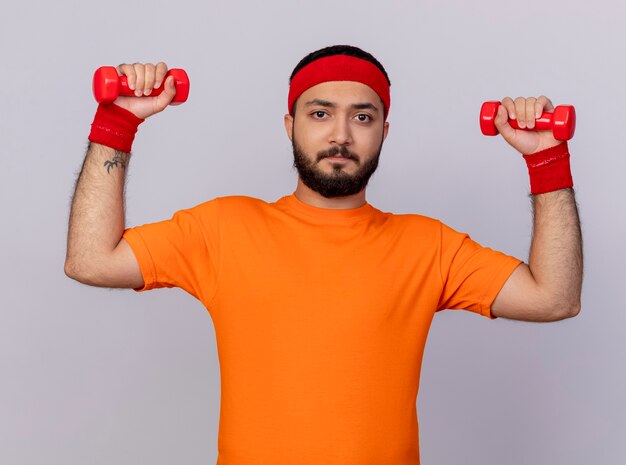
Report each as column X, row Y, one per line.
column 321, row 302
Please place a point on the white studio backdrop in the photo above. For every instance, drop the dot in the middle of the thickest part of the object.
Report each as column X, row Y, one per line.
column 98, row 376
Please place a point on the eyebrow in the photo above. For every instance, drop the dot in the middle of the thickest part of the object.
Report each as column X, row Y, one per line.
column 355, row 106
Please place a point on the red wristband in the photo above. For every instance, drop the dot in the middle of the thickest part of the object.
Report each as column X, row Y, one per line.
column 114, row 127
column 549, row 169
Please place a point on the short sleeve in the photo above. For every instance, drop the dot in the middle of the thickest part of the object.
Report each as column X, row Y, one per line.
column 182, row 251
column 472, row 275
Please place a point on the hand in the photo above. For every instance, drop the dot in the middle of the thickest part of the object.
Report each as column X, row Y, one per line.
column 525, row 111
column 143, row 78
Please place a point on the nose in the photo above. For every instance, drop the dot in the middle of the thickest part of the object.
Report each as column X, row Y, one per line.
column 340, row 132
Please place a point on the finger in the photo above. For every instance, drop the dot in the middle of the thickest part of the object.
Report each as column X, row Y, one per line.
column 148, row 78
column 546, row 103
column 543, row 104
column 140, row 71
column 520, row 111
column 129, row 71
column 508, row 104
column 161, row 71
column 530, row 112
column 539, row 104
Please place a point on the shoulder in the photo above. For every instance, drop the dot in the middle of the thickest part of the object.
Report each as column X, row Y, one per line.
column 230, row 201
column 241, row 203
column 419, row 228
column 412, row 220
column 231, row 205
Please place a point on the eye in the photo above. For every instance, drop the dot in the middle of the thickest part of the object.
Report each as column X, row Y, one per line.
column 319, row 114
column 363, row 118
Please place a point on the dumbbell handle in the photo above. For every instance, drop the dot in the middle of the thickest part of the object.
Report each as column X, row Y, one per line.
column 543, row 123
column 126, row 91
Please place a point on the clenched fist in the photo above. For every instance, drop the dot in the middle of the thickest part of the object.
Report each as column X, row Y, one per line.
column 525, row 111
column 142, row 78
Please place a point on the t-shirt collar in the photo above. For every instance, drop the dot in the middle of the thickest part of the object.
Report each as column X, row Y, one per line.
column 296, row 205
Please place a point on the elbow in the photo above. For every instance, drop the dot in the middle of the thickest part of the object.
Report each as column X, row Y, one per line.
column 70, row 269
column 563, row 312
column 74, row 271
column 574, row 310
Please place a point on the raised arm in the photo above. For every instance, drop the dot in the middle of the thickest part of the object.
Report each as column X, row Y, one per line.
column 96, row 252
column 549, row 287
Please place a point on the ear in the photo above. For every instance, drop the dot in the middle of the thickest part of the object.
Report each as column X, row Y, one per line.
column 288, row 125
column 385, row 130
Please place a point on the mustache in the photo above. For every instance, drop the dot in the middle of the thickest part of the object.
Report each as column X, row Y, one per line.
column 337, row 150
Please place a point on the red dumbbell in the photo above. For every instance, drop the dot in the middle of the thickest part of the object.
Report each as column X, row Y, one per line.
column 562, row 122
column 107, row 85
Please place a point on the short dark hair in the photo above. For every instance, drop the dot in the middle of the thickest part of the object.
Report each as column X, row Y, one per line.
column 349, row 50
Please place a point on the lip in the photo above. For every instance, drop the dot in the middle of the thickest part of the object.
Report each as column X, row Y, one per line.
column 338, row 158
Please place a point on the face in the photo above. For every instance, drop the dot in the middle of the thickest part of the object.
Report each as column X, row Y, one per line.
column 337, row 136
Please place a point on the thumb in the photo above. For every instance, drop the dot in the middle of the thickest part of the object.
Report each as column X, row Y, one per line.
column 168, row 94
column 501, row 122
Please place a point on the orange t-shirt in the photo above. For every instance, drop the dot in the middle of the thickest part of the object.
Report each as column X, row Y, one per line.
column 321, row 318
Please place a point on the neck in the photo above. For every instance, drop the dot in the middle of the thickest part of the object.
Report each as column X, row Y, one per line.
column 309, row 196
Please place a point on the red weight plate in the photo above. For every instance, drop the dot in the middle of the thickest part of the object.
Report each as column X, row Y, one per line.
column 488, row 113
column 181, row 81
column 105, row 84
column 564, row 122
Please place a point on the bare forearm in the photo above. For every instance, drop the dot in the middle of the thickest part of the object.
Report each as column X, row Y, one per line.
column 556, row 256
column 96, row 219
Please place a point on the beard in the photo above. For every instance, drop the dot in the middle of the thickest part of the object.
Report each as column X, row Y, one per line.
column 337, row 183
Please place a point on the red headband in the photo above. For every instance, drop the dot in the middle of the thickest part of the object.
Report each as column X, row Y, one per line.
column 340, row 68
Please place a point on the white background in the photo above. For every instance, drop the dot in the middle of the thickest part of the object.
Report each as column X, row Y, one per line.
column 98, row 376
